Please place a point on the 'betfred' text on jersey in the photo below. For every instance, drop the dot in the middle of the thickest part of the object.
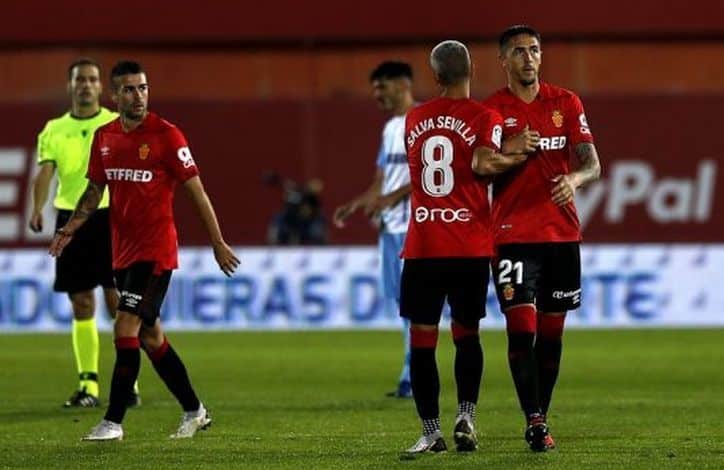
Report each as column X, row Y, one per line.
column 129, row 174
column 442, row 122
column 557, row 142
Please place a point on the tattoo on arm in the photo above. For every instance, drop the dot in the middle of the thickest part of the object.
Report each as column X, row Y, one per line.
column 88, row 202
column 589, row 168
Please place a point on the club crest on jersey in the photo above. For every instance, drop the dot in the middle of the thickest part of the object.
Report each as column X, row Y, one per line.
column 557, row 118
column 508, row 292
column 143, row 151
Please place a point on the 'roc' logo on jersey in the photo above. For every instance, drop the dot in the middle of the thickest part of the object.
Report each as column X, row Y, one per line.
column 447, row 215
column 553, row 143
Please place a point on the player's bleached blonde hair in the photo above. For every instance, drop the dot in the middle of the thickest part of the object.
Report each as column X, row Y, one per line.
column 450, row 60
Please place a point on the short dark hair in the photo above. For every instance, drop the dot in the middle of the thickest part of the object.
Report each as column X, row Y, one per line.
column 391, row 69
column 515, row 30
column 125, row 67
column 81, row 61
column 450, row 60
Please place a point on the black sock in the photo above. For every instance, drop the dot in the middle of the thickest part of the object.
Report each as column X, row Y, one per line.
column 125, row 373
column 548, row 358
column 521, row 359
column 173, row 373
column 425, row 382
column 468, row 367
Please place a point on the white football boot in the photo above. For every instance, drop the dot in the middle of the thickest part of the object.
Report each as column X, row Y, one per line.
column 431, row 443
column 105, row 431
column 191, row 422
column 466, row 439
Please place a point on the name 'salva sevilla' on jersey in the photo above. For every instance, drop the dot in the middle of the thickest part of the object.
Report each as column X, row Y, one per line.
column 450, row 212
column 523, row 210
column 141, row 169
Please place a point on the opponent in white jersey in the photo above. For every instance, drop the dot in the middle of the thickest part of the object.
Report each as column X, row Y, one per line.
column 388, row 197
column 392, row 160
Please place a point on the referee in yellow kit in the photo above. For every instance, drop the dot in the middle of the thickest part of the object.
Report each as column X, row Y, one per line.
column 64, row 146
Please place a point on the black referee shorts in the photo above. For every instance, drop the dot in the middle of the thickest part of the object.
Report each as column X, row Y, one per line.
column 87, row 260
column 427, row 282
column 142, row 290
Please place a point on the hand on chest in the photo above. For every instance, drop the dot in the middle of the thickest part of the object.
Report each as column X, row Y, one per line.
column 548, row 118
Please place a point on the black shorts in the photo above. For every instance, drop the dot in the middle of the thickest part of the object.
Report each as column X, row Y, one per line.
column 426, row 283
column 142, row 290
column 87, row 260
column 545, row 274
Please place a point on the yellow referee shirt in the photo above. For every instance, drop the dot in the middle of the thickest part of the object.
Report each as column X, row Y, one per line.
column 66, row 141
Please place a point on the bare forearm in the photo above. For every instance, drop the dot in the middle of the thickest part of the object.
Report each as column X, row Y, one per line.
column 41, row 187
column 87, row 205
column 205, row 210
column 372, row 192
column 208, row 217
column 398, row 194
column 493, row 163
column 589, row 168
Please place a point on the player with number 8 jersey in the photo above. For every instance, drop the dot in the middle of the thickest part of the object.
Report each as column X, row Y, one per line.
column 453, row 146
column 450, row 211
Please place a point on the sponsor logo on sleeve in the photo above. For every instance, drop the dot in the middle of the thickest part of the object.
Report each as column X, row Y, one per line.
column 584, row 124
column 184, row 154
column 497, row 135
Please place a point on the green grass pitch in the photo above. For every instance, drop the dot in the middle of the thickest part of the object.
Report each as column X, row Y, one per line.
column 309, row 400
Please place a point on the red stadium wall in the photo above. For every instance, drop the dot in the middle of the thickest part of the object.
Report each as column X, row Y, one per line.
column 315, row 22
column 662, row 176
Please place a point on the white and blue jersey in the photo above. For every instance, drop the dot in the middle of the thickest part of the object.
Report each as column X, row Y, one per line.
column 392, row 160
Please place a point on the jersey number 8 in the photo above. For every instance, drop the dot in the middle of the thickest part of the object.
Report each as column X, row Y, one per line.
column 438, row 178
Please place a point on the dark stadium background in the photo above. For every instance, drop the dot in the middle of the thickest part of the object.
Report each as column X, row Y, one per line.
column 283, row 86
column 260, row 86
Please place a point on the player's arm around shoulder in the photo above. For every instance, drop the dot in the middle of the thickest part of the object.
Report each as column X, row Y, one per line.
column 490, row 162
column 223, row 253
column 488, row 159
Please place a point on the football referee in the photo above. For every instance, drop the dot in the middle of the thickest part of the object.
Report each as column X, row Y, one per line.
column 64, row 147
